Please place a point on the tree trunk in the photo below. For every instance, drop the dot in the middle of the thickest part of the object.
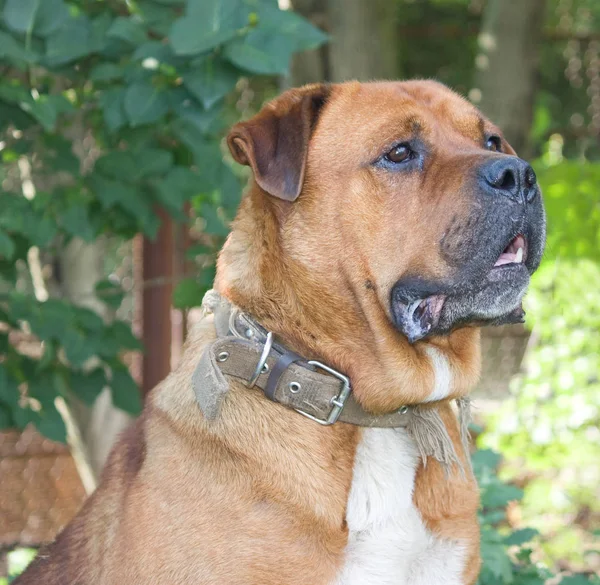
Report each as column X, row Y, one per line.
column 507, row 66
column 81, row 267
column 363, row 34
column 362, row 41
column 310, row 66
column 157, row 264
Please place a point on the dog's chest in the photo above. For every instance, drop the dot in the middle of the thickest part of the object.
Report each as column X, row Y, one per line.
column 388, row 542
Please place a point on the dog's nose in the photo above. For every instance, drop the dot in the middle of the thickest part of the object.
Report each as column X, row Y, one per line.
column 510, row 176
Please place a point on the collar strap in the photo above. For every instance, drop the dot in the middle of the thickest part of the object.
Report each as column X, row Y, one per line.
column 246, row 351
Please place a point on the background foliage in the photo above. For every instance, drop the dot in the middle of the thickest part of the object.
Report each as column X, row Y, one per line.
column 147, row 83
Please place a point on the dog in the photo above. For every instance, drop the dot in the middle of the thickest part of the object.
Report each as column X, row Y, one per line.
column 385, row 223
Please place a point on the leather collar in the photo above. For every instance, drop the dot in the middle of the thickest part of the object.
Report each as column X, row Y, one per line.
column 246, row 351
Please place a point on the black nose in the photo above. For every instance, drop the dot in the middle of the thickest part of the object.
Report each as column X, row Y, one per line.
column 509, row 176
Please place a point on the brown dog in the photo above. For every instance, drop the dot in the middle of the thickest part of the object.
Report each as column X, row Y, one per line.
column 384, row 220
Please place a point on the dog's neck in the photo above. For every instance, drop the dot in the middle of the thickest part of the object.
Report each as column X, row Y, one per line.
column 322, row 316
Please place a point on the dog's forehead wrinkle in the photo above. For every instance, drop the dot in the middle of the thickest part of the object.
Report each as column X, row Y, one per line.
column 373, row 121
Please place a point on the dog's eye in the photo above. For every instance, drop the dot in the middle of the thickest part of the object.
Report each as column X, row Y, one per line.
column 400, row 154
column 494, row 143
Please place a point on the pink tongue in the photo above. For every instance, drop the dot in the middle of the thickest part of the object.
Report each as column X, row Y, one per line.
column 506, row 258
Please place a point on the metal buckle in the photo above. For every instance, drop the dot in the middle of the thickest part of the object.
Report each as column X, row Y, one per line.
column 338, row 402
column 262, row 361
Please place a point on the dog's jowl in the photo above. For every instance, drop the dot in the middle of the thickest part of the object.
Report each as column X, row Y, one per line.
column 314, row 432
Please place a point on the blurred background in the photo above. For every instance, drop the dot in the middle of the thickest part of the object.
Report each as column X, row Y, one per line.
column 117, row 191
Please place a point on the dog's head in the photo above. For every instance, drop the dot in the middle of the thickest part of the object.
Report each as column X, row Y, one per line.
column 424, row 202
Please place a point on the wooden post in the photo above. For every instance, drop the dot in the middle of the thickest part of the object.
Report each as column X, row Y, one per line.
column 157, row 275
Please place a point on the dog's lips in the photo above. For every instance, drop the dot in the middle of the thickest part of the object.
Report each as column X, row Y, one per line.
column 419, row 317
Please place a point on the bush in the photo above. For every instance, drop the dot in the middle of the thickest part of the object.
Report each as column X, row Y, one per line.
column 148, row 87
column 548, row 430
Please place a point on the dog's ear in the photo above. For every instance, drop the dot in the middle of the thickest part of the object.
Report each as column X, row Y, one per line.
column 275, row 142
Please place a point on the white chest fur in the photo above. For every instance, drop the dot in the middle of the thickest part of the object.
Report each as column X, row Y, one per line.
column 388, row 543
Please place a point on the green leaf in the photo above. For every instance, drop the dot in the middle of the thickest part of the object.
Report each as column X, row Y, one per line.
column 72, row 41
column 48, row 358
column 128, row 30
column 144, row 103
column 131, row 166
column 7, row 246
column 6, row 421
column 262, row 51
column 88, row 319
column 111, row 192
column 153, row 161
column 77, row 346
column 112, row 104
column 191, row 114
column 299, row 31
column 19, row 15
column 188, row 293
column 46, row 108
column 520, row 537
column 110, row 293
column 177, row 187
column 120, row 333
column 207, row 154
column 41, row 230
column 99, row 41
column 75, row 220
column 497, row 567
column 51, row 425
column 106, row 72
column 88, row 386
column 213, row 223
column 59, row 381
column 229, row 190
column 60, row 155
column 210, row 80
column 157, row 18
column 4, row 343
column 14, row 93
column 42, row 389
column 493, row 517
column 118, row 164
column 200, row 250
column 208, row 24
column 575, row 580
column 9, row 391
column 127, row 197
column 125, row 393
column 51, row 15
column 499, row 495
column 11, row 49
column 42, row 17
column 207, row 277
column 486, row 458
column 49, row 320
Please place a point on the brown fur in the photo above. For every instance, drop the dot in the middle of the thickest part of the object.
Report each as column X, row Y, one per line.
column 259, row 495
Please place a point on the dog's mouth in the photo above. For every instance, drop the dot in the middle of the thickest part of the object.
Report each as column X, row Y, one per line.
column 514, row 253
column 494, row 299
